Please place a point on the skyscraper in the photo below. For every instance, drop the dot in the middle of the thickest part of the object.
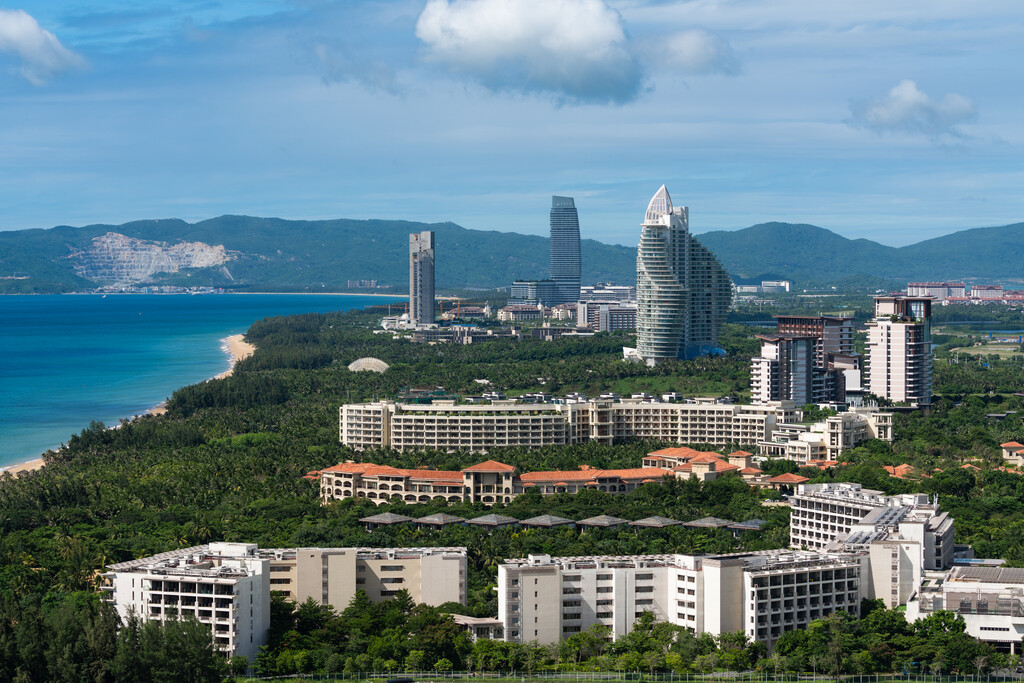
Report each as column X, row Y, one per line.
column 565, row 249
column 899, row 353
column 683, row 293
column 421, row 277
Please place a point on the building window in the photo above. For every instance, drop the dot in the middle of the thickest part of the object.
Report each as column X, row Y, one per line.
column 392, row 568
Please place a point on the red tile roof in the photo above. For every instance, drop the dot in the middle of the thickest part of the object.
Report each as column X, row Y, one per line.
column 1012, row 444
column 490, row 466
column 593, row 474
column 751, row 470
column 788, row 478
column 682, row 453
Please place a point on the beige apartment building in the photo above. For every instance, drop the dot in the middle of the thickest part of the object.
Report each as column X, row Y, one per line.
column 331, row 576
column 446, row 425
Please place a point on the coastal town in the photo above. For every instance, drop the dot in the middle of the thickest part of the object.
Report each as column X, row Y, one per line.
column 527, row 341
column 816, row 405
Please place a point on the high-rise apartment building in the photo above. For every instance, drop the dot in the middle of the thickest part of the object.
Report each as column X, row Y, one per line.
column 565, row 250
column 421, row 277
column 899, row 355
column 683, row 293
column 836, row 366
column 784, row 370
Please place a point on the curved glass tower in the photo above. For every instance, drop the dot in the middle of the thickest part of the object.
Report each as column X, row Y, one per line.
column 683, row 293
column 565, row 249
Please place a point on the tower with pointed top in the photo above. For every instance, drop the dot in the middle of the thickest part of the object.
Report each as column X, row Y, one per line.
column 565, row 249
column 683, row 292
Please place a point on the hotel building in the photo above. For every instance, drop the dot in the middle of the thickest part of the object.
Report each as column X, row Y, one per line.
column 825, row 513
column 764, row 594
column 227, row 585
column 899, row 356
column 488, row 482
column 565, row 250
column 223, row 585
column 990, row 600
column 421, row 277
column 683, row 293
column 446, row 425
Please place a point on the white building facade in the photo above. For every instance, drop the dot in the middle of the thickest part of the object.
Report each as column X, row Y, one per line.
column 223, row 585
column 764, row 594
column 683, row 293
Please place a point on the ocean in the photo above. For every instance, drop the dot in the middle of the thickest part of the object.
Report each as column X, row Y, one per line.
column 66, row 360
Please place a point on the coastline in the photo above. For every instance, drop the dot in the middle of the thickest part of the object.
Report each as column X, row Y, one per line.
column 235, row 346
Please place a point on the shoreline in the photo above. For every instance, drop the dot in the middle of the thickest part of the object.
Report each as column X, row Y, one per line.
column 235, row 346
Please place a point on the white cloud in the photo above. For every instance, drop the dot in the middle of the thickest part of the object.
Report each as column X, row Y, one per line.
column 907, row 109
column 42, row 55
column 699, row 52
column 576, row 49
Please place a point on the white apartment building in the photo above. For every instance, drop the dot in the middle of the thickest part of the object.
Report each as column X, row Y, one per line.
column 331, row 576
column 764, row 594
column 546, row 599
column 227, row 585
column 899, row 357
column 446, row 425
column 607, row 316
column 989, row 599
column 827, row 440
column 785, row 370
column 223, row 585
column 939, row 291
column 823, row 514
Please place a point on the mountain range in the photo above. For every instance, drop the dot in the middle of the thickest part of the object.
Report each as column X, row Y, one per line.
column 273, row 254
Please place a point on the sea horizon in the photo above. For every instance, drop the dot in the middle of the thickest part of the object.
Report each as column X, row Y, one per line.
column 71, row 359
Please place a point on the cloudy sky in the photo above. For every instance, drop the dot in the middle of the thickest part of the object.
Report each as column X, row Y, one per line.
column 893, row 121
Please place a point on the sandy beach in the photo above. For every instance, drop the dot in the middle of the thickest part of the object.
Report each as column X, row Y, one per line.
column 23, row 467
column 236, row 347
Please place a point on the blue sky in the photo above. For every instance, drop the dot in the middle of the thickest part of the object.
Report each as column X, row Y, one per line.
column 893, row 121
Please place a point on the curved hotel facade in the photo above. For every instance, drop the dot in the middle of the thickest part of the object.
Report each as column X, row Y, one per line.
column 683, row 293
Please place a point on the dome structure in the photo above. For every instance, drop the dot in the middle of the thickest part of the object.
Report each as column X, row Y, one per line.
column 371, row 364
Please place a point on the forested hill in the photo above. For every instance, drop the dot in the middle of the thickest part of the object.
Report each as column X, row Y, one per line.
column 807, row 253
column 273, row 254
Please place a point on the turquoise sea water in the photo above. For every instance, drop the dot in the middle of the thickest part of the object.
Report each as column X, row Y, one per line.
column 68, row 359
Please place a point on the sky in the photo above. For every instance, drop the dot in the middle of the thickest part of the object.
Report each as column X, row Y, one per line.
column 895, row 121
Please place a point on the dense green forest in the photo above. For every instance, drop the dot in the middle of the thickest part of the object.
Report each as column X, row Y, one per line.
column 226, row 461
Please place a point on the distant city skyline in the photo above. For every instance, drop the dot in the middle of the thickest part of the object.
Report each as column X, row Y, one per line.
column 895, row 122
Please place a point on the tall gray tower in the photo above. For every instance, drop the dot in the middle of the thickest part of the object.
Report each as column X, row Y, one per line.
column 421, row 277
column 565, row 249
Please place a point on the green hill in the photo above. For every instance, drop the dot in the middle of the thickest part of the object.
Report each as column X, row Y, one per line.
column 273, row 254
